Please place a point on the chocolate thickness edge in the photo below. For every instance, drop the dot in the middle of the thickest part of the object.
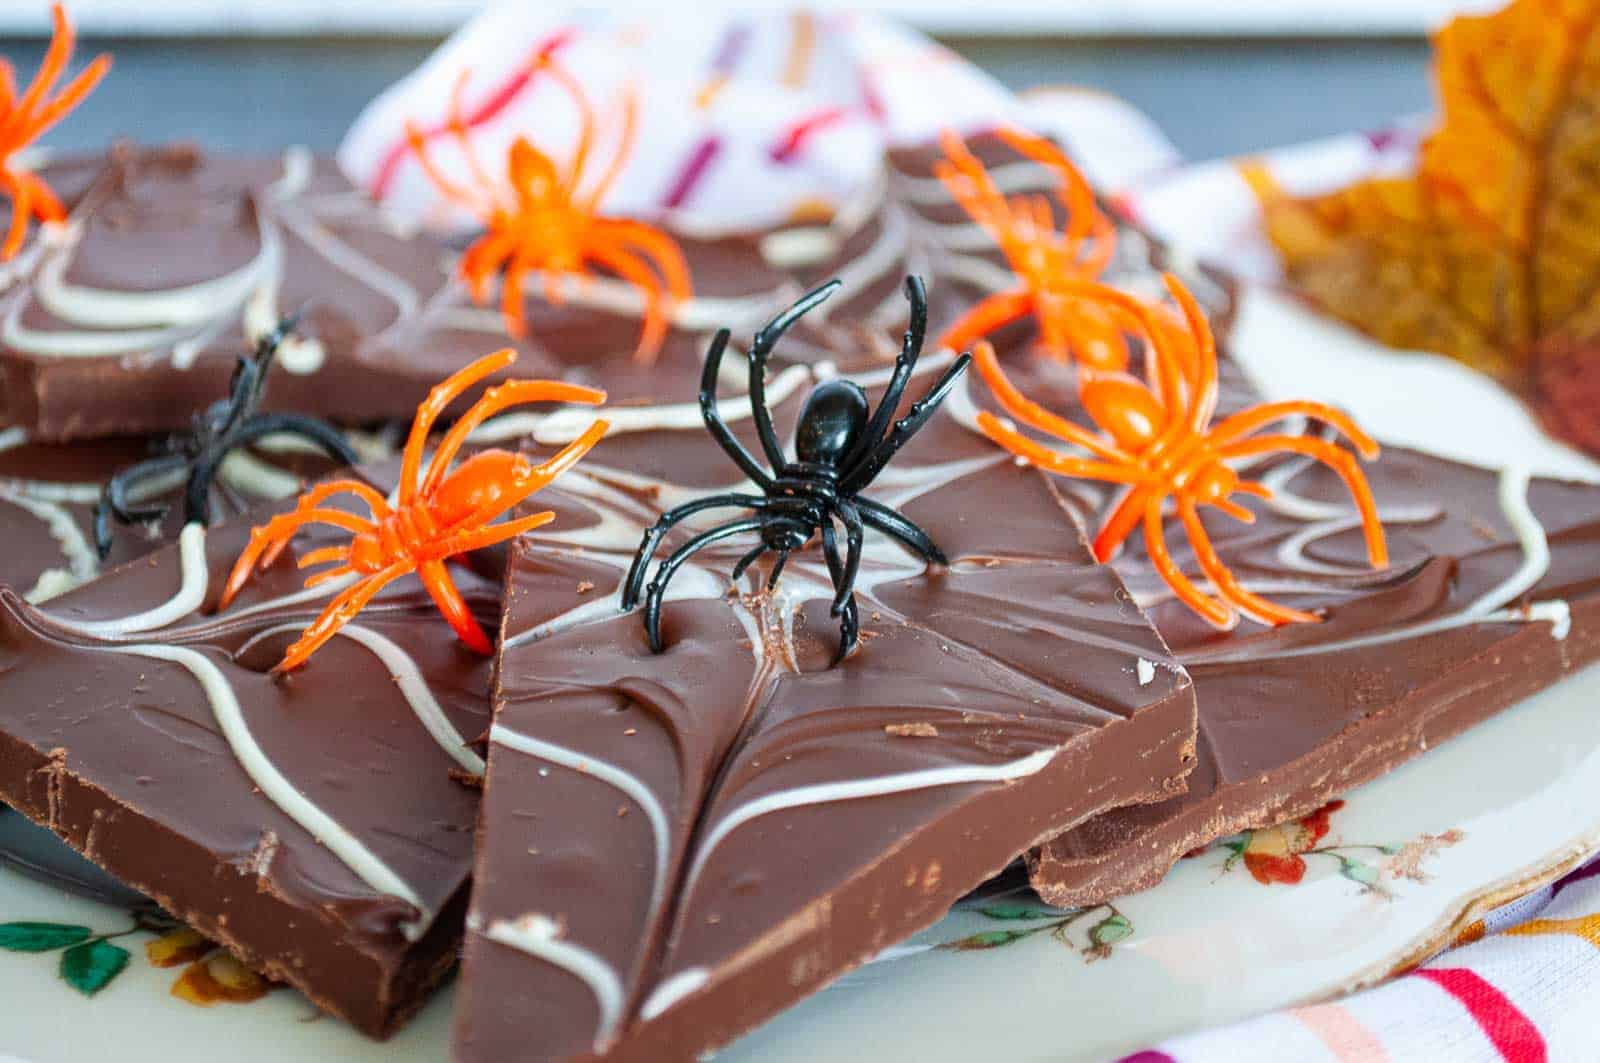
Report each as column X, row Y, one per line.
column 1383, row 741
column 780, row 969
column 375, row 994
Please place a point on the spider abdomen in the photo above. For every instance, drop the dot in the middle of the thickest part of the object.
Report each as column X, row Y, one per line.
column 831, row 422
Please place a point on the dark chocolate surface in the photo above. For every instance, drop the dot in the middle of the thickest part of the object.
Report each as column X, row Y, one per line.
column 116, row 742
column 648, row 828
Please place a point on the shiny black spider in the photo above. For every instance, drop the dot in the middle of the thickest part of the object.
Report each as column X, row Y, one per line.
column 223, row 427
column 842, row 445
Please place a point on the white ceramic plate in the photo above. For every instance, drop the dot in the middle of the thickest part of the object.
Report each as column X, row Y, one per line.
column 1383, row 881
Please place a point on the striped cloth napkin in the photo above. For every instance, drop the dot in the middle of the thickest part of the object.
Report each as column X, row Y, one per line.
column 1521, row 985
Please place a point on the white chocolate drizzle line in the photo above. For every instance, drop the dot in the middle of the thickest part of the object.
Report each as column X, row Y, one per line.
column 626, row 782
column 408, row 678
column 189, row 597
column 564, row 425
column 1489, row 608
column 1020, row 176
column 822, row 793
column 82, row 562
column 540, row 936
column 698, row 313
column 672, row 990
column 277, row 789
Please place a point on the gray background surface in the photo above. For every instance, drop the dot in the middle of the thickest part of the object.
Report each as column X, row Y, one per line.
column 1213, row 97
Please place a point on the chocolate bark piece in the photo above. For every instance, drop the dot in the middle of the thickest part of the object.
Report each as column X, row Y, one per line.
column 1491, row 596
column 173, row 260
column 313, row 823
column 48, row 494
column 674, row 847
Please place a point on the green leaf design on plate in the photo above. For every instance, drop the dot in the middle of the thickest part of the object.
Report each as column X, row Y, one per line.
column 1013, row 911
column 40, row 937
column 988, row 939
column 90, row 967
column 1110, row 930
column 1358, row 871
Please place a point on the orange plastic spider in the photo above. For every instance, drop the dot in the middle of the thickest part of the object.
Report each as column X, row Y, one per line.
column 439, row 514
column 24, row 118
column 1157, row 437
column 545, row 219
column 1048, row 262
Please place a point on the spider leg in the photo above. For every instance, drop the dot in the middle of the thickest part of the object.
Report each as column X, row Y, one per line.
column 717, row 426
column 1036, row 416
column 988, row 314
column 283, row 526
column 921, row 411
column 339, row 612
column 1228, row 587
column 904, row 364
column 760, row 350
column 1343, row 463
column 438, row 399
column 114, row 501
column 1120, row 523
column 1246, row 421
column 844, row 588
column 197, row 496
column 903, row 529
column 844, row 596
column 1046, row 458
column 777, row 571
column 747, row 560
column 493, row 401
column 669, row 568
column 1215, row 612
column 314, row 498
column 494, row 533
column 442, row 589
column 665, row 523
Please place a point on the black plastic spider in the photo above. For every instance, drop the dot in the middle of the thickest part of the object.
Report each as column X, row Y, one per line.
column 223, row 427
column 842, row 445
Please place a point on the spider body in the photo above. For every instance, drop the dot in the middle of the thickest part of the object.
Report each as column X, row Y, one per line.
column 841, row 445
column 223, row 427
column 1156, row 437
column 1049, row 263
column 545, row 218
column 438, row 513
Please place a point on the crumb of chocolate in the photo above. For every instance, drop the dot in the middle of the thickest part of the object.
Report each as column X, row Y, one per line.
column 877, row 616
column 622, row 810
column 1146, row 670
column 631, row 731
column 1483, row 528
column 471, row 780
column 922, row 729
column 585, row 586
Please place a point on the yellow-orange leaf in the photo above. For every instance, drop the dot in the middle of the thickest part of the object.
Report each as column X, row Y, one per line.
column 1489, row 251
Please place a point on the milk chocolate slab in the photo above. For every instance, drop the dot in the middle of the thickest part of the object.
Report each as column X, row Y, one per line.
column 173, row 260
column 1493, row 594
column 674, row 847
column 312, row 824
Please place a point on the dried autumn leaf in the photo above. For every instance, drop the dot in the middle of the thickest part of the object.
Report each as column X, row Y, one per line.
column 1489, row 251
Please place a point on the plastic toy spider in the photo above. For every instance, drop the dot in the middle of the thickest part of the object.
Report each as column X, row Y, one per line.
column 225, row 426
column 1157, row 438
column 842, row 445
column 24, row 118
column 546, row 220
column 439, row 514
column 1048, row 262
